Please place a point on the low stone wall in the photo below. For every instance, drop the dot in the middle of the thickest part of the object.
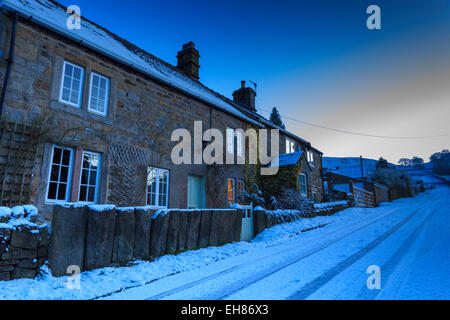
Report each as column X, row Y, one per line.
column 23, row 244
column 263, row 219
column 330, row 208
column 92, row 237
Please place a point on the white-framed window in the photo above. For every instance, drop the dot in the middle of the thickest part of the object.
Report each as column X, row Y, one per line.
column 231, row 191
column 240, row 143
column 157, row 188
column 71, row 84
column 60, row 174
column 89, row 177
column 290, row 146
column 230, row 141
column 310, row 158
column 98, row 94
column 302, row 182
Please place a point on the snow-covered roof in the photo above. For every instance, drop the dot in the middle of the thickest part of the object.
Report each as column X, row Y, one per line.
column 287, row 159
column 52, row 15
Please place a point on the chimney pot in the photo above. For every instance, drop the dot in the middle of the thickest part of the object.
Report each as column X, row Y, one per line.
column 245, row 97
column 188, row 60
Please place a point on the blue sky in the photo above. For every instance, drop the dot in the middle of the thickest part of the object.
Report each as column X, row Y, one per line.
column 315, row 60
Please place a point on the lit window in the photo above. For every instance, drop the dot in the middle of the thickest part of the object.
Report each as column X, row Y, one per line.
column 71, row 84
column 302, row 184
column 60, row 174
column 158, row 187
column 230, row 141
column 290, row 146
column 310, row 158
column 98, row 97
column 89, row 177
column 231, row 191
column 240, row 188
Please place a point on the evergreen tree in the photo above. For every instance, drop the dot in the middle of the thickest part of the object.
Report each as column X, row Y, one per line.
column 275, row 118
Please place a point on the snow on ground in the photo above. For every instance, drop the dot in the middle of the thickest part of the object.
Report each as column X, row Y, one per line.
column 103, row 281
column 407, row 238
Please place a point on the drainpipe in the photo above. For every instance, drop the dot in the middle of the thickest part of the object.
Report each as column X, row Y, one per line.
column 10, row 63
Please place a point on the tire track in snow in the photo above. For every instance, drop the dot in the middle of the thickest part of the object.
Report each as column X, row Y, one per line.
column 257, row 277
column 315, row 285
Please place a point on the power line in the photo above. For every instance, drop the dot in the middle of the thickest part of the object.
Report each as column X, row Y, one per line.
column 359, row 134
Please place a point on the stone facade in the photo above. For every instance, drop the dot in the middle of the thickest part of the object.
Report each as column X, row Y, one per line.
column 135, row 133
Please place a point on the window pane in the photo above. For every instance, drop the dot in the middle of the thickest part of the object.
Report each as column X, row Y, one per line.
column 83, row 193
column 77, row 74
column 84, row 177
column 86, row 160
column 57, row 155
column 66, row 157
column 91, row 194
column 52, row 191
column 69, row 70
column 62, row 191
column 92, row 178
column 64, row 177
column 55, row 173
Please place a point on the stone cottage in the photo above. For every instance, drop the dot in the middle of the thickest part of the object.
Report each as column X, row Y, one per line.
column 88, row 117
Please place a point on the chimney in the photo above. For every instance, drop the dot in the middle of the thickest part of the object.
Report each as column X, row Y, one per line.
column 245, row 97
column 188, row 60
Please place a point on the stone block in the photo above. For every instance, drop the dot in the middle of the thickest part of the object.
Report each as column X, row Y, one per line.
column 44, row 235
column 42, row 252
column 18, row 254
column 205, row 226
column 124, row 235
column 193, row 229
column 173, row 232
column 100, row 236
column 28, row 264
column 158, row 238
column 5, row 276
column 142, row 233
column 259, row 223
column 68, row 236
column 20, row 273
column 216, row 232
column 182, row 234
column 25, row 238
column 6, row 268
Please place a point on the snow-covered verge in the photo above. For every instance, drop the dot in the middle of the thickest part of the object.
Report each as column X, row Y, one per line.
column 104, row 281
column 330, row 208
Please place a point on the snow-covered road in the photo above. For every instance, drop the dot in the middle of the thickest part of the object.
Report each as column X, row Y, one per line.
column 409, row 241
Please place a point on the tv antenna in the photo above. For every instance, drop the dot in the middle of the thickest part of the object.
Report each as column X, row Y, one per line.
column 254, row 84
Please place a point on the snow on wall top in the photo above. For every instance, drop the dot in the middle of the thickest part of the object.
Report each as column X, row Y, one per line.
column 53, row 15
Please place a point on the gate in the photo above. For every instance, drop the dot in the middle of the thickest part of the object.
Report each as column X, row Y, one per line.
column 247, row 223
column 363, row 198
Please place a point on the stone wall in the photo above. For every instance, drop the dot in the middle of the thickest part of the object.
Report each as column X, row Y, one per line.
column 330, row 208
column 263, row 219
column 92, row 237
column 23, row 244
